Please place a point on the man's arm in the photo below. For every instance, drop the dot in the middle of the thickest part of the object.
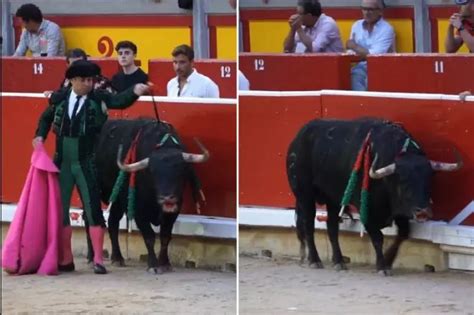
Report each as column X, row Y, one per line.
column 124, row 99
column 452, row 42
column 22, row 45
column 54, row 38
column 44, row 124
column 212, row 90
column 289, row 43
column 468, row 39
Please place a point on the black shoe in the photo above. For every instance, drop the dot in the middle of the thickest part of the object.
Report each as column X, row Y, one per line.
column 100, row 269
column 67, row 268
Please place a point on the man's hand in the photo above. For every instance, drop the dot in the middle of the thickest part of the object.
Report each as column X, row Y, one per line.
column 37, row 141
column 463, row 95
column 351, row 44
column 198, row 205
column 141, row 89
column 455, row 20
column 47, row 93
column 295, row 22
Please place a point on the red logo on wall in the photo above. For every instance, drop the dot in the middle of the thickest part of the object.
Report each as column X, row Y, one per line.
column 105, row 46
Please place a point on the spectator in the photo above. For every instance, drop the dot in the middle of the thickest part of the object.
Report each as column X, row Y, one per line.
column 188, row 81
column 42, row 37
column 244, row 84
column 463, row 22
column 312, row 31
column 130, row 73
column 371, row 35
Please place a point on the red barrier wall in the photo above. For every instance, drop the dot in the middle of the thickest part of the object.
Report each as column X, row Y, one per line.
column 438, row 125
column 267, row 125
column 285, row 72
column 421, row 73
column 36, row 75
column 214, row 124
column 222, row 72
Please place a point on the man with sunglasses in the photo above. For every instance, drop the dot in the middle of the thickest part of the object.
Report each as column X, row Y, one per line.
column 463, row 24
column 371, row 35
column 312, row 31
column 130, row 74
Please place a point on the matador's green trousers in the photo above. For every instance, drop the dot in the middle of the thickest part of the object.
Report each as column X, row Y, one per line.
column 83, row 174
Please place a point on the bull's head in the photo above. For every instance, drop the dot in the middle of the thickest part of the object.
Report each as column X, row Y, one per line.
column 412, row 174
column 169, row 169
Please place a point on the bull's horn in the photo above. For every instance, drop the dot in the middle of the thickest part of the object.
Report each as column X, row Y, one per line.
column 448, row 167
column 134, row 167
column 381, row 172
column 197, row 158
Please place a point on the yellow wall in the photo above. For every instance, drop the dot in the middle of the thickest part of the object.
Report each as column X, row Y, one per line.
column 152, row 42
column 268, row 36
column 226, row 42
column 442, row 31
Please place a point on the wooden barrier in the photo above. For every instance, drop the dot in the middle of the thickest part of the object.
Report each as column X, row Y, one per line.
column 439, row 124
column 222, row 72
column 213, row 122
column 420, row 73
column 296, row 72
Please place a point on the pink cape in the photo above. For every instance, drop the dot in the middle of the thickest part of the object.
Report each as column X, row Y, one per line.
column 33, row 239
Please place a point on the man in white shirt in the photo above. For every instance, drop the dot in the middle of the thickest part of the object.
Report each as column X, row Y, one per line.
column 371, row 35
column 188, row 82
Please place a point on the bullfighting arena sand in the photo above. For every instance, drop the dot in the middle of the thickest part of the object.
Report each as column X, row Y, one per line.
column 269, row 286
column 127, row 290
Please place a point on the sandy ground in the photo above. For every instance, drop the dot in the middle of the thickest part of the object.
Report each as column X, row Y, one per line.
column 127, row 290
column 269, row 286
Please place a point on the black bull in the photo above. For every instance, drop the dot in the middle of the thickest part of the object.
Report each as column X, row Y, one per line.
column 319, row 163
column 162, row 168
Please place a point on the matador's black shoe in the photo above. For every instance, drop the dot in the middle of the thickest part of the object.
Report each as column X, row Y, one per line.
column 100, row 269
column 67, row 268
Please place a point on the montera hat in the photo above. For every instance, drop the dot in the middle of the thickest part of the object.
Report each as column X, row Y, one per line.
column 461, row 2
column 82, row 68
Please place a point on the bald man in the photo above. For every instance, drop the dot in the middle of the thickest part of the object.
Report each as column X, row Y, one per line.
column 370, row 35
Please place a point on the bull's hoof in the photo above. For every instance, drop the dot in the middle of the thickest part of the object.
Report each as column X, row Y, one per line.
column 163, row 269
column 340, row 266
column 386, row 272
column 316, row 265
column 119, row 263
column 152, row 270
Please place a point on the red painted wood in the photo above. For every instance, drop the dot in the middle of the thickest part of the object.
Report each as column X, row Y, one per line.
column 296, row 72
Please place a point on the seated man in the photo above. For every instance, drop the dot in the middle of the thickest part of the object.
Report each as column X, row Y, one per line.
column 463, row 22
column 188, row 81
column 130, row 74
column 371, row 35
column 42, row 37
column 312, row 31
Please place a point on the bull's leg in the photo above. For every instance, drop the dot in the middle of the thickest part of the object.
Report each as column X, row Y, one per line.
column 309, row 213
column 333, row 233
column 166, row 227
column 149, row 238
column 300, row 232
column 403, row 231
column 376, row 237
column 116, row 214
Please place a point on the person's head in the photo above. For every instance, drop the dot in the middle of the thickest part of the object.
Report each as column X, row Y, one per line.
column 126, row 51
column 183, row 60
column 372, row 10
column 467, row 8
column 309, row 10
column 31, row 17
column 74, row 55
column 81, row 74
